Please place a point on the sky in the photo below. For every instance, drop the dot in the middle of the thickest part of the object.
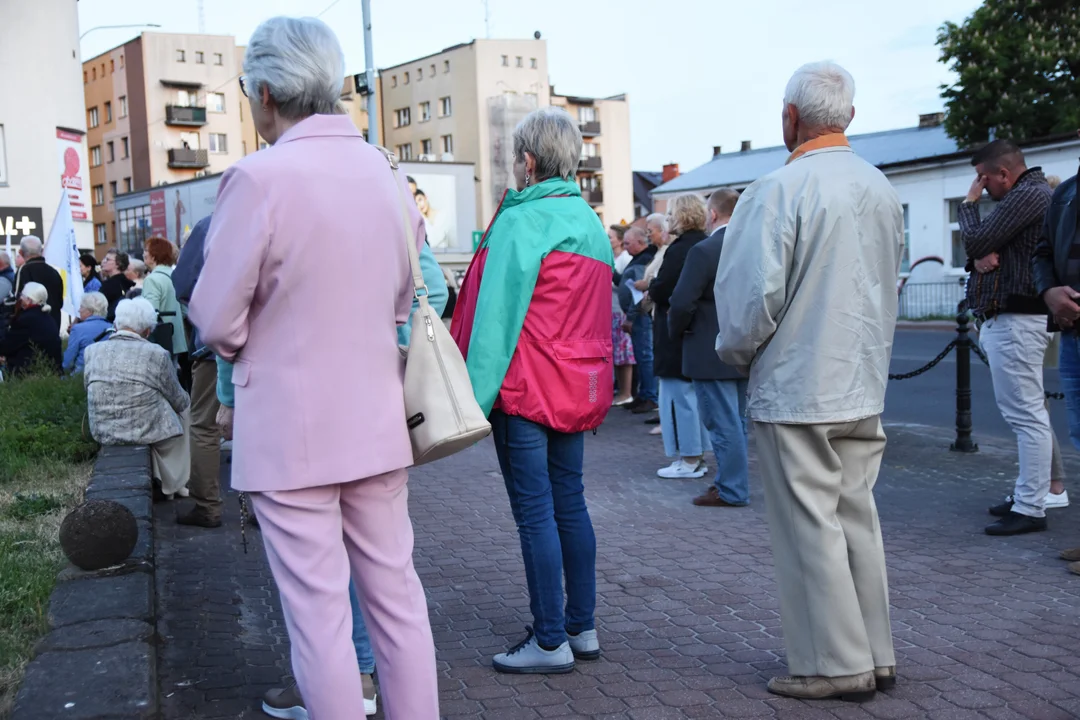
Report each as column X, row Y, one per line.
column 698, row 73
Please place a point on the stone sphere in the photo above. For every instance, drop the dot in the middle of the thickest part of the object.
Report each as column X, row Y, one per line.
column 98, row 534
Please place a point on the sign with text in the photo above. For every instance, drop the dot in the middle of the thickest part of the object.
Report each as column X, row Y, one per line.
column 20, row 221
column 73, row 177
column 157, row 213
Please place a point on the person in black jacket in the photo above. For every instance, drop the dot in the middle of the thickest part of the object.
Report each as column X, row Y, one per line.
column 115, row 284
column 638, row 324
column 685, row 438
column 720, row 389
column 34, row 336
column 36, row 270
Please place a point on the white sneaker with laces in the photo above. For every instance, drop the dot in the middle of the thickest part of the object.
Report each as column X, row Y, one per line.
column 585, row 645
column 682, row 470
column 528, row 658
column 1052, row 501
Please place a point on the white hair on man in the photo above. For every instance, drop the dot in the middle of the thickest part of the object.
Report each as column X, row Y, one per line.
column 553, row 138
column 36, row 294
column 823, row 93
column 31, row 246
column 659, row 220
column 634, row 233
column 137, row 268
column 299, row 60
column 5, row 260
column 95, row 304
column 137, row 316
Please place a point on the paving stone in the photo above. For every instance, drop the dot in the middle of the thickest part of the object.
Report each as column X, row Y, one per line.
column 125, row 596
column 96, row 634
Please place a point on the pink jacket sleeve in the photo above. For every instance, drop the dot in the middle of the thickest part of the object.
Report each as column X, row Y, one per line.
column 236, row 246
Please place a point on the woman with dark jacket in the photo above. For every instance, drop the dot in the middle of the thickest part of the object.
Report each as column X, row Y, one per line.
column 34, row 335
column 88, row 266
column 685, row 437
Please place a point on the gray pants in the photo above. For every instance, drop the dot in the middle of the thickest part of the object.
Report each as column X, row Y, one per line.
column 830, row 563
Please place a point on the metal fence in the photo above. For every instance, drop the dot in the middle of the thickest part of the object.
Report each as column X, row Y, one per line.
column 924, row 301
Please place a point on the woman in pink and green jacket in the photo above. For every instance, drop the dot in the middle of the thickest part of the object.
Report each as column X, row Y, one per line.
column 533, row 321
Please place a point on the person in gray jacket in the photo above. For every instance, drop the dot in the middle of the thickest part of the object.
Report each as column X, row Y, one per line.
column 720, row 388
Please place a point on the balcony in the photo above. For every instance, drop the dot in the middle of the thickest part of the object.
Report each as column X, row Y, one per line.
column 590, row 163
column 188, row 158
column 590, row 129
column 593, row 197
column 186, row 116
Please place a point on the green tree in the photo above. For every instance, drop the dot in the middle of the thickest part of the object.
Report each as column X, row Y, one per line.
column 1018, row 70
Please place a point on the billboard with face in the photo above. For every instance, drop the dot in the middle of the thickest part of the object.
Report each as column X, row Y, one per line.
column 445, row 197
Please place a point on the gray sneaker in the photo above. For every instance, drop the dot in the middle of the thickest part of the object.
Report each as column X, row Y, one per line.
column 285, row 704
column 585, row 645
column 528, row 658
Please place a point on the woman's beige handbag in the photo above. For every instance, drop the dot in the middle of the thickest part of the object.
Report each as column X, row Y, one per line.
column 440, row 407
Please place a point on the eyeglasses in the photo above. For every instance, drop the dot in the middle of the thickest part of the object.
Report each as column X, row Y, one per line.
column 243, row 84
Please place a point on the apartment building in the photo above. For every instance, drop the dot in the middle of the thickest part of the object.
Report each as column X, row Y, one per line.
column 161, row 108
column 604, row 173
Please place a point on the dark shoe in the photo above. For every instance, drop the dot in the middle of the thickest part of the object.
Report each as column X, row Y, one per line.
column 285, row 703
column 1074, row 568
column 1002, row 510
column 1016, row 524
column 253, row 521
column 712, row 498
column 645, row 407
column 655, row 420
column 159, row 494
column 198, row 518
column 850, row 688
column 885, row 678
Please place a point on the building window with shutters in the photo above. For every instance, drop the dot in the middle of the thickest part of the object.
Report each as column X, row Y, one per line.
column 402, row 117
column 404, row 152
column 219, row 143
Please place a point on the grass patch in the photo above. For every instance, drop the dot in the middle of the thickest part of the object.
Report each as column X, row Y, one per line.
column 44, row 468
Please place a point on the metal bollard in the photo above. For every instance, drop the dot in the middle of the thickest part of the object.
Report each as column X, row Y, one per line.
column 963, row 441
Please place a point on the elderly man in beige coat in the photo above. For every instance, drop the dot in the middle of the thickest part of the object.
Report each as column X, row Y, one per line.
column 806, row 300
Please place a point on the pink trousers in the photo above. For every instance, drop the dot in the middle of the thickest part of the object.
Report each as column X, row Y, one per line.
column 312, row 537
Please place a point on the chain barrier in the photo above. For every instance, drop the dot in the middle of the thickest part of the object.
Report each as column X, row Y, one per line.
column 928, row 366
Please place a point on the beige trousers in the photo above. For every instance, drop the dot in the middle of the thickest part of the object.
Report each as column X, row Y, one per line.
column 830, row 563
column 172, row 459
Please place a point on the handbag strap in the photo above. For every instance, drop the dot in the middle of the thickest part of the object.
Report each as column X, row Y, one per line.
column 420, row 289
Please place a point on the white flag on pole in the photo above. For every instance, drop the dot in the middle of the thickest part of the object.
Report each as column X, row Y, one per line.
column 62, row 253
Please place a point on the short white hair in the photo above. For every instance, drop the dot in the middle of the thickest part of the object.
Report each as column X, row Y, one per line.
column 37, row 294
column 823, row 93
column 552, row 137
column 5, row 259
column 136, row 315
column 138, row 267
column 299, row 60
column 96, row 303
column 659, row 220
column 31, row 246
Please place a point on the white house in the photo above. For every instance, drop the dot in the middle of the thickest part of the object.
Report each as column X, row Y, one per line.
column 930, row 174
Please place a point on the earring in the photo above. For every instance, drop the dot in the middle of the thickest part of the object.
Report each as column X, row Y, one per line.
column 527, row 179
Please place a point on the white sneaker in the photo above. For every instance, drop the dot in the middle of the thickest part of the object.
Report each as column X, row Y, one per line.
column 1057, row 501
column 682, row 470
column 585, row 645
column 528, row 658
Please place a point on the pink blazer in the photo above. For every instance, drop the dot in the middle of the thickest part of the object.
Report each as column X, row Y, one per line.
column 306, row 279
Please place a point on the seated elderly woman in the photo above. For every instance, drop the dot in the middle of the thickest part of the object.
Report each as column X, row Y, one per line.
column 134, row 397
column 33, row 336
column 90, row 328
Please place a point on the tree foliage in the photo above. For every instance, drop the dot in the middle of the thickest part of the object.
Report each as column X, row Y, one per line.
column 1018, row 68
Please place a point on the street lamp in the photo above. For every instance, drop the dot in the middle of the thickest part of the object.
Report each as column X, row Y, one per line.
column 116, row 27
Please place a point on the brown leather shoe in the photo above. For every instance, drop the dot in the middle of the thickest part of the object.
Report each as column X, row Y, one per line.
column 1074, row 568
column 850, row 688
column 645, row 408
column 1072, row 555
column 198, row 518
column 712, row 498
column 885, row 678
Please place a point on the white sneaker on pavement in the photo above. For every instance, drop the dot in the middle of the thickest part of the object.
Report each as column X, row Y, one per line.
column 682, row 470
column 1052, row 501
column 528, row 658
column 585, row 645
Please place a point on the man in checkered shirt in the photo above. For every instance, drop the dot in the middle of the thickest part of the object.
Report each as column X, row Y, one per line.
column 1001, row 293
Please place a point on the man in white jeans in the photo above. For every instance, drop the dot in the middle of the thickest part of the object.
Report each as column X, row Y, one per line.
column 1013, row 318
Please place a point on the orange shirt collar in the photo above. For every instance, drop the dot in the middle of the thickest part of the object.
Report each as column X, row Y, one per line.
column 822, row 141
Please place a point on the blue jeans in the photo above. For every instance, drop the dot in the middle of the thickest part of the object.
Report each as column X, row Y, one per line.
column 641, row 337
column 543, row 474
column 722, row 405
column 364, row 657
column 1069, row 370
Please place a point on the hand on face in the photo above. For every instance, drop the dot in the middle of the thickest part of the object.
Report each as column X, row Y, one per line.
column 977, row 187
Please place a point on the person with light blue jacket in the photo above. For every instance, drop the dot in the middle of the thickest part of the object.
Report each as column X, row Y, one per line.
column 91, row 328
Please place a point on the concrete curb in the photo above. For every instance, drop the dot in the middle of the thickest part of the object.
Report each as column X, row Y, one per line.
column 100, row 657
column 936, row 325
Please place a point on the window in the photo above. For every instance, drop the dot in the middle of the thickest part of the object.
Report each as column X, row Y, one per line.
column 200, row 59
column 419, row 74
column 425, row 111
column 586, row 113
column 85, row 77
column 215, row 102
column 506, row 61
column 112, row 189
column 112, row 66
column 406, row 78
column 92, row 117
column 520, row 61
column 959, row 255
column 404, row 152
column 425, row 147
column 127, row 184
column 121, row 62
column 402, row 117
column 589, row 182
column 99, row 194
column 101, row 236
column 108, row 112
column 219, row 59
column 448, row 143
column 111, row 148
column 219, row 143
column 124, row 145
column 95, row 156
column 93, row 73
column 446, row 66
column 444, row 107
column 393, row 81
column 532, row 63
column 432, row 69
column 123, row 106
column 180, row 56
column 589, row 150
column 114, row 228
column 905, row 259
column 187, row 98
column 135, row 226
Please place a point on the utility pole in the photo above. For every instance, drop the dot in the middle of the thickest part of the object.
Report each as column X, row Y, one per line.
column 373, row 88
column 487, row 19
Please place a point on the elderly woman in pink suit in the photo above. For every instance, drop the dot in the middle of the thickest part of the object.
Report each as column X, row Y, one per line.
column 306, row 278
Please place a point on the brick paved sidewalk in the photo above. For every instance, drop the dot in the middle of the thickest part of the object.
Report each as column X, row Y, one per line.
column 687, row 611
